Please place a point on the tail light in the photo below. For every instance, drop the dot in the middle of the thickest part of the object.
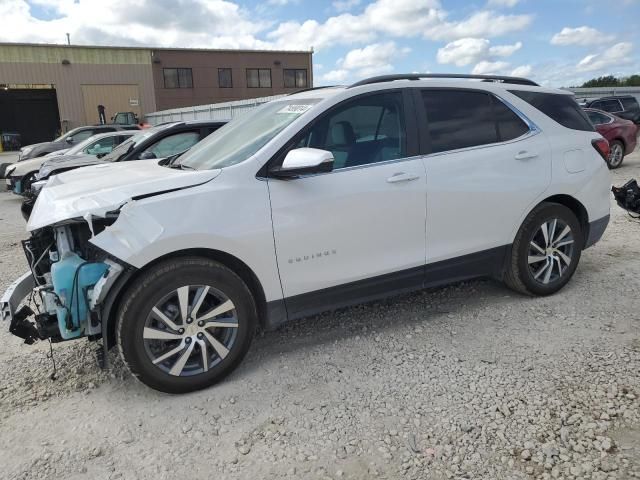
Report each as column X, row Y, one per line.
column 602, row 147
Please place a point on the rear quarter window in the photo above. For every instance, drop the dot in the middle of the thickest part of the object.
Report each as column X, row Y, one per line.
column 630, row 103
column 561, row 108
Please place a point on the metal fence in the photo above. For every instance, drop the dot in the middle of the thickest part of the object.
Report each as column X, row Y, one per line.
column 214, row 111
column 597, row 92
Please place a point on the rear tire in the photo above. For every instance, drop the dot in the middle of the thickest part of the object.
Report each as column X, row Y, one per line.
column 194, row 307
column 616, row 154
column 546, row 251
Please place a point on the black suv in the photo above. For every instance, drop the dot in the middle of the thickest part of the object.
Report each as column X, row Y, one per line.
column 623, row 106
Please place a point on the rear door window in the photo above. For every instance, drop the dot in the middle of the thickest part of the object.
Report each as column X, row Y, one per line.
column 510, row 125
column 459, row 119
column 561, row 108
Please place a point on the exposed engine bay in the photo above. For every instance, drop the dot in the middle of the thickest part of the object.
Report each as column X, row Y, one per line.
column 69, row 278
column 628, row 196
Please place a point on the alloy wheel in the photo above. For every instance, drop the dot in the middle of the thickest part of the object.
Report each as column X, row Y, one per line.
column 616, row 155
column 551, row 251
column 190, row 330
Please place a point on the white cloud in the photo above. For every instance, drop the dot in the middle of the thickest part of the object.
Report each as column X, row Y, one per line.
column 481, row 24
column 505, row 50
column 374, row 59
column 580, row 36
column 335, row 76
column 615, row 56
column 503, row 3
column 485, row 68
column 397, row 18
column 187, row 23
column 345, row 5
column 522, row 71
column 472, row 50
column 463, row 52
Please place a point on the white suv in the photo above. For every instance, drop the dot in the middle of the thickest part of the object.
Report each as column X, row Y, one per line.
column 314, row 201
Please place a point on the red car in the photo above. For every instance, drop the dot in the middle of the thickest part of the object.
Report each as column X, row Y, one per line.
column 620, row 133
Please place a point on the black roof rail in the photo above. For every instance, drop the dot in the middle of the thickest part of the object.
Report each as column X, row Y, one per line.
column 419, row 76
column 314, row 88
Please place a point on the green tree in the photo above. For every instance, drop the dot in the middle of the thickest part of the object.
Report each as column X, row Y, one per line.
column 632, row 81
column 607, row 81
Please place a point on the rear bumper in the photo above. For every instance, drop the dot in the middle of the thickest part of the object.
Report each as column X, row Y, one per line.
column 596, row 230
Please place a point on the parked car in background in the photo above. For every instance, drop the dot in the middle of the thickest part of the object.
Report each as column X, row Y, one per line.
column 21, row 175
column 69, row 139
column 312, row 202
column 153, row 143
column 623, row 106
column 620, row 133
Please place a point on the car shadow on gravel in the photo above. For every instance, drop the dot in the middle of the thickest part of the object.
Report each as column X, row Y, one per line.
column 432, row 308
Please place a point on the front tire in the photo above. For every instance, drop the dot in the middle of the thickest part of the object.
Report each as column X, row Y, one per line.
column 185, row 324
column 616, row 154
column 546, row 251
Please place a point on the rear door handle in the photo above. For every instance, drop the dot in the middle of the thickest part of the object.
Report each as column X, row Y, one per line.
column 402, row 177
column 524, row 155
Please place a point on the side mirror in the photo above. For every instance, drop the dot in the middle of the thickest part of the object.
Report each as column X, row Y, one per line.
column 69, row 139
column 304, row 161
column 148, row 155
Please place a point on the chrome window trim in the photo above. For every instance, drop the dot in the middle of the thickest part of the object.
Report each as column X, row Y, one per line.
column 533, row 130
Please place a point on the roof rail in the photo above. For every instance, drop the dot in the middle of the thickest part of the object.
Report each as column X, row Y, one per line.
column 312, row 88
column 418, row 76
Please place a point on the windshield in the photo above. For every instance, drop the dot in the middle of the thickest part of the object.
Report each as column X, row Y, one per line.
column 65, row 135
column 79, row 147
column 243, row 137
column 131, row 143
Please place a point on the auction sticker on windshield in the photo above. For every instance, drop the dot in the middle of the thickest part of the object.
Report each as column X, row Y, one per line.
column 295, row 109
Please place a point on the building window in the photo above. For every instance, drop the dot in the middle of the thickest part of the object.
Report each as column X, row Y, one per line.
column 259, row 77
column 295, row 78
column 177, row 78
column 224, row 78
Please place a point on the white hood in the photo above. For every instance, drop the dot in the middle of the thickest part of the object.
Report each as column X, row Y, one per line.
column 99, row 189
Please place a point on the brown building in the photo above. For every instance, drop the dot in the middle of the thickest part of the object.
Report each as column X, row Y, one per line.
column 184, row 78
column 45, row 89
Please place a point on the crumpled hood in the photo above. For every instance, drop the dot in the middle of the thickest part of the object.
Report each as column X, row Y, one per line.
column 52, row 164
column 103, row 188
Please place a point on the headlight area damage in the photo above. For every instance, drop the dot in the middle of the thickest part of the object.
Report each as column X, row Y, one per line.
column 67, row 290
column 68, row 281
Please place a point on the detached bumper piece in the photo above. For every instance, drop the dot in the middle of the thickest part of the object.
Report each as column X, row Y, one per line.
column 16, row 315
column 628, row 196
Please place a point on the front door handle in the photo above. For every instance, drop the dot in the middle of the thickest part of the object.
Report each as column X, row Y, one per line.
column 402, row 177
column 524, row 155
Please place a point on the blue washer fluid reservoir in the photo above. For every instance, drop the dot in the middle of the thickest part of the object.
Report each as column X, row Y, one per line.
column 63, row 273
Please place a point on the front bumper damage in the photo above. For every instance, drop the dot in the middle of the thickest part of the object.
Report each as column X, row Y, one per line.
column 61, row 297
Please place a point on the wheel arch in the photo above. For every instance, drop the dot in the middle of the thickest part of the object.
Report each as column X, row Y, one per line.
column 573, row 204
column 111, row 304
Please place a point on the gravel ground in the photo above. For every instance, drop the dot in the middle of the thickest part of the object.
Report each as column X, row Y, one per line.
column 469, row 382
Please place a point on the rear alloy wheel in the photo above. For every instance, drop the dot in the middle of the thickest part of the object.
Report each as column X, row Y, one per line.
column 546, row 251
column 616, row 154
column 186, row 324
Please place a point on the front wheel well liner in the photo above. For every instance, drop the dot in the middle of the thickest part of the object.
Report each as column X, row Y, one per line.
column 233, row 263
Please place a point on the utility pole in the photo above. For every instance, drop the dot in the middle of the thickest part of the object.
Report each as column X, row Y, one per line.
column 68, row 39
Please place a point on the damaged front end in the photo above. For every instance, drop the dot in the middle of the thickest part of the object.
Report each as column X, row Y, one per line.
column 66, row 286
